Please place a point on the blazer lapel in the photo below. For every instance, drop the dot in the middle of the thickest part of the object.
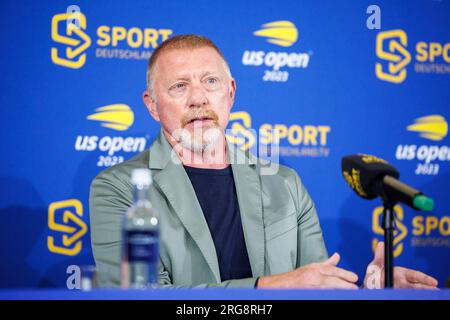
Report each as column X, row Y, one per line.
column 248, row 189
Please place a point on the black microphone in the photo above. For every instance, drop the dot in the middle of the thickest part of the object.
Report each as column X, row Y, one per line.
column 370, row 176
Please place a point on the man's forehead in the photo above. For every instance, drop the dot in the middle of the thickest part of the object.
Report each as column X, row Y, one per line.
column 180, row 61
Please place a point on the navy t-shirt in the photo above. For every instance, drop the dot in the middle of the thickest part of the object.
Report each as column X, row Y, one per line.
column 216, row 194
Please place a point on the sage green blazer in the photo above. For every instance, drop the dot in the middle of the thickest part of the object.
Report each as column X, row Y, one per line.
column 279, row 220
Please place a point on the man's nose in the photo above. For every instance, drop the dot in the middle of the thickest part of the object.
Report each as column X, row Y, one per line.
column 197, row 97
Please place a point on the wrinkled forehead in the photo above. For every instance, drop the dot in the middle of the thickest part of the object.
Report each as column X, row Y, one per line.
column 174, row 63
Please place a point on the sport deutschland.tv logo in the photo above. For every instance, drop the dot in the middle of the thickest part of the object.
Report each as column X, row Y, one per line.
column 75, row 24
column 270, row 138
column 430, row 230
column 70, row 38
column 391, row 48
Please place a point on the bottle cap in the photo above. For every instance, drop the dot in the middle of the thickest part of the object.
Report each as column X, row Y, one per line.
column 141, row 177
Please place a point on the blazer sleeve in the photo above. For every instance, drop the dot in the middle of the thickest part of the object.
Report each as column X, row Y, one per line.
column 108, row 200
column 311, row 246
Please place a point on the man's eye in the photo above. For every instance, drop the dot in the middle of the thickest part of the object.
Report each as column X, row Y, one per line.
column 178, row 86
column 212, row 81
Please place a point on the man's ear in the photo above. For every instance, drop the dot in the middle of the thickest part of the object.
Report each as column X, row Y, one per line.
column 232, row 91
column 150, row 104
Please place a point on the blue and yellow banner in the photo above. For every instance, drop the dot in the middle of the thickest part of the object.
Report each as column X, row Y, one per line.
column 321, row 79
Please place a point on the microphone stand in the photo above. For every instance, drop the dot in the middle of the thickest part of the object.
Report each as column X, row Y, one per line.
column 389, row 228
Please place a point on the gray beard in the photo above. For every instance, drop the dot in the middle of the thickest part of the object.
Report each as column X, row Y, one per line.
column 200, row 140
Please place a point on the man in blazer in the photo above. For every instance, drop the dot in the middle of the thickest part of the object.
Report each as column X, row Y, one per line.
column 190, row 91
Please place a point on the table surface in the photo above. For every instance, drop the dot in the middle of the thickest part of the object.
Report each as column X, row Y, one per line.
column 224, row 294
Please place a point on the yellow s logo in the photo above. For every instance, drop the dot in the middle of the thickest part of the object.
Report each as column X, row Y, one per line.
column 400, row 233
column 396, row 54
column 239, row 129
column 74, row 57
column 71, row 210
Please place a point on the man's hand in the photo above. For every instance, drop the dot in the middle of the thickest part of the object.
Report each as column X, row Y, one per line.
column 403, row 277
column 325, row 275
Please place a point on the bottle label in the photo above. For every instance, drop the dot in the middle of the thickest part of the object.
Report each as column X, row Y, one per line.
column 142, row 246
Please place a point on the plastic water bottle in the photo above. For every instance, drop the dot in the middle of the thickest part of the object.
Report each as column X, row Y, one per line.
column 140, row 242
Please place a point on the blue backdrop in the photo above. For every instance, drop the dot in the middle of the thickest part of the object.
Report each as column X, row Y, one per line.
column 336, row 77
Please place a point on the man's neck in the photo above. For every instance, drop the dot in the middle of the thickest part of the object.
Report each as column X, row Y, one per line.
column 216, row 158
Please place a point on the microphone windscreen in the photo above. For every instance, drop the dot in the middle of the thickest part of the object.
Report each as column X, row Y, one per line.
column 362, row 171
